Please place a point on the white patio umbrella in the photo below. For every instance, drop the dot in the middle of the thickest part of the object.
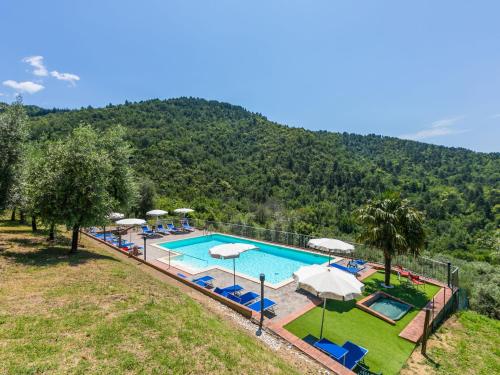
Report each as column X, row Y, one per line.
column 183, row 211
column 230, row 251
column 328, row 283
column 329, row 244
column 156, row 213
column 131, row 222
column 115, row 216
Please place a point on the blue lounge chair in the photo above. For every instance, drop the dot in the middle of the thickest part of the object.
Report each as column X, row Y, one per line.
column 146, row 230
column 234, row 289
column 220, row 291
column 354, row 355
column 268, row 305
column 173, row 229
column 205, row 281
column 161, row 229
column 186, row 226
column 351, row 270
column 360, row 262
column 244, row 299
column 335, row 351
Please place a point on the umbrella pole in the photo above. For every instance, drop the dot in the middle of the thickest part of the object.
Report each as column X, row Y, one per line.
column 322, row 319
column 329, row 256
column 234, row 274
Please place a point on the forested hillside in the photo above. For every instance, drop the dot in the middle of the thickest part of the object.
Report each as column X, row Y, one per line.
column 233, row 165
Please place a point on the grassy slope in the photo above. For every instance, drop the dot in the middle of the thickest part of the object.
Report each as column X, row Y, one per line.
column 343, row 321
column 468, row 343
column 92, row 313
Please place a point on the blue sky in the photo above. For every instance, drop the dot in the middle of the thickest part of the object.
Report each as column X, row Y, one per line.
column 425, row 70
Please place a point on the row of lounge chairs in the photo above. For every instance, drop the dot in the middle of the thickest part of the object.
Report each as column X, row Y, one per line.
column 115, row 241
column 169, row 229
column 235, row 293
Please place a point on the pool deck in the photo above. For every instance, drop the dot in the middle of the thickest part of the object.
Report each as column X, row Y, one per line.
column 288, row 299
column 291, row 303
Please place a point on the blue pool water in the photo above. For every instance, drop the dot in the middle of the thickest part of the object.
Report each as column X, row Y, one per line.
column 276, row 262
column 391, row 308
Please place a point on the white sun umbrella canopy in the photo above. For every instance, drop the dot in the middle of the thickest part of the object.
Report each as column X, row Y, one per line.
column 157, row 214
column 183, row 211
column 331, row 244
column 230, row 251
column 328, row 244
column 131, row 222
column 328, row 283
column 115, row 216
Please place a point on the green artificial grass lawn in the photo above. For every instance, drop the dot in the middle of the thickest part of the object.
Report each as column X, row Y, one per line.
column 343, row 321
column 94, row 313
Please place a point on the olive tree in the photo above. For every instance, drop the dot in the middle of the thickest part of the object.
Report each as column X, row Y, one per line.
column 84, row 177
column 13, row 132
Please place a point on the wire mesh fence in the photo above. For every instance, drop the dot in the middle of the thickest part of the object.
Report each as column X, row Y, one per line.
column 429, row 268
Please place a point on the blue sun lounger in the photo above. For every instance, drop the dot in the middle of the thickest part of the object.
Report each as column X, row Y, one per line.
column 351, row 270
column 244, row 299
column 233, row 289
column 187, row 227
column 173, row 229
column 355, row 354
column 205, row 281
column 268, row 305
column 161, row 229
column 146, row 230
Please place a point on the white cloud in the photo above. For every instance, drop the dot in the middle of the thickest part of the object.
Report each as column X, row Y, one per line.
column 26, row 86
column 69, row 77
column 37, row 63
column 437, row 128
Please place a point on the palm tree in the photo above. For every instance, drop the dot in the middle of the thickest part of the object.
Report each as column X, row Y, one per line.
column 392, row 225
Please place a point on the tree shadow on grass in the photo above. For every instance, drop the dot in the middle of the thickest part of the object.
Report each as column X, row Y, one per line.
column 340, row 306
column 53, row 255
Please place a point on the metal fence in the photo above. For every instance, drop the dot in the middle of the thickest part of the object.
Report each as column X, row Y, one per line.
column 424, row 266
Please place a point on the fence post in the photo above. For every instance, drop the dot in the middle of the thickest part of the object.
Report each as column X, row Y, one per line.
column 426, row 331
column 449, row 274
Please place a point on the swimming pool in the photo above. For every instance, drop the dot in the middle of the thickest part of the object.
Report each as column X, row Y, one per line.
column 278, row 263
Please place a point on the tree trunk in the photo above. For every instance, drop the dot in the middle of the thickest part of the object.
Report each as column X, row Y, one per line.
column 52, row 234
column 33, row 223
column 22, row 219
column 387, row 260
column 13, row 215
column 74, row 239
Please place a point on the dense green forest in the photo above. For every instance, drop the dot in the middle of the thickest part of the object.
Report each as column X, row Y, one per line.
column 233, row 165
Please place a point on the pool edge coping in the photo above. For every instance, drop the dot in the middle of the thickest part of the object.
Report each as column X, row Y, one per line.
column 195, row 271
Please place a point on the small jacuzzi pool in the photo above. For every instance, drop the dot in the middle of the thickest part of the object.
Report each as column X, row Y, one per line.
column 391, row 308
column 384, row 306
